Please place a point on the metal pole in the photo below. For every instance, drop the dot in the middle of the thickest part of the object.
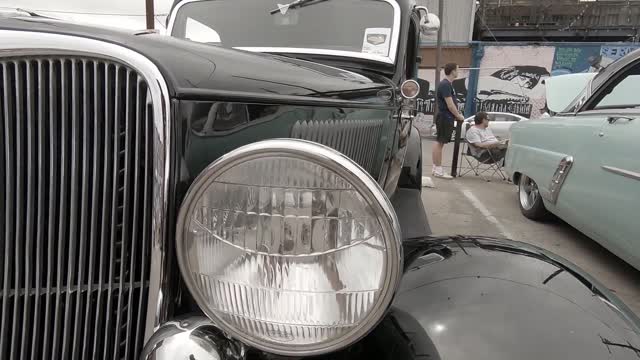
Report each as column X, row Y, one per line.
column 150, row 15
column 456, row 145
column 456, row 150
column 438, row 54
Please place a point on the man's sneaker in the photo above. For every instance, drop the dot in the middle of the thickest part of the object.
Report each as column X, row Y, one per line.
column 442, row 175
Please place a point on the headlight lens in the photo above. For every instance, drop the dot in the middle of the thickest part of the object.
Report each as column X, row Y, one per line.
column 290, row 247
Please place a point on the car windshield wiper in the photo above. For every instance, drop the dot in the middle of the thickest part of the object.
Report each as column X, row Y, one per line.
column 294, row 4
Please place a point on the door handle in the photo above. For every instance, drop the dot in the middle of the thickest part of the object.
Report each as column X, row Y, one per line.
column 613, row 119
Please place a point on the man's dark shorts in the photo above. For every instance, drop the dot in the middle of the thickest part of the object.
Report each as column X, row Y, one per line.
column 444, row 129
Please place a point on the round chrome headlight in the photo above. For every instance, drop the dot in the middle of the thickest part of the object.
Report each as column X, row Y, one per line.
column 290, row 247
column 410, row 89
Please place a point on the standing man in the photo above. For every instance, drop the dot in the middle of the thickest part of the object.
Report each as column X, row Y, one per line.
column 448, row 114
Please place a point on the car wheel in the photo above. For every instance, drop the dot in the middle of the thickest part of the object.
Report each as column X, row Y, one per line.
column 531, row 204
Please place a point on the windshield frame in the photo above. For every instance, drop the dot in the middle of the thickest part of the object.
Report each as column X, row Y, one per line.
column 390, row 59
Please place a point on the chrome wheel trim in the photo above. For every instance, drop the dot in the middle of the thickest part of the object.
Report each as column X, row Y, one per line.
column 528, row 192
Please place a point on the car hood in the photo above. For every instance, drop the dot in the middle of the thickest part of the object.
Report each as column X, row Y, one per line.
column 236, row 71
column 200, row 70
column 563, row 89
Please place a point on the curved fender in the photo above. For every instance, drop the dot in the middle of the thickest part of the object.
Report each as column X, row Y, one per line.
column 411, row 176
column 485, row 298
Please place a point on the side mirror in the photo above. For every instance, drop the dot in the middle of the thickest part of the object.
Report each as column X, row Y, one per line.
column 429, row 22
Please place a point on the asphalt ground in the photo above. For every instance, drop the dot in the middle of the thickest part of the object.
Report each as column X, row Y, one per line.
column 470, row 205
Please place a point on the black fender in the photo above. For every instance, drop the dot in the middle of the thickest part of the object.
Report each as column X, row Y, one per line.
column 466, row 298
column 485, row 298
column 411, row 175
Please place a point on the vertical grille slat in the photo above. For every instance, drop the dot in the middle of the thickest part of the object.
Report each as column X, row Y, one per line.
column 95, row 197
column 3, row 198
column 36, row 340
column 133, row 115
column 9, row 148
column 147, row 153
column 72, row 258
column 114, row 105
column 83, row 109
column 20, row 200
column 76, row 156
column 31, row 167
column 367, row 156
column 105, row 228
column 357, row 139
column 126, row 185
column 63, row 196
column 52, row 208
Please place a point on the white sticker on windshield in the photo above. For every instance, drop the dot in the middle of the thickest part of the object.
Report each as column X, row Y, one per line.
column 377, row 41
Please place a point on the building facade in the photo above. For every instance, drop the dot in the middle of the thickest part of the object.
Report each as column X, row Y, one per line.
column 558, row 20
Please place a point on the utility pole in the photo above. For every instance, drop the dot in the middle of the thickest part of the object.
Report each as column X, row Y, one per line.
column 150, row 15
column 438, row 55
column 456, row 144
column 456, row 147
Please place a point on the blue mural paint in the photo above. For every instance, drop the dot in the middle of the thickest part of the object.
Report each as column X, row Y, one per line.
column 571, row 59
column 611, row 53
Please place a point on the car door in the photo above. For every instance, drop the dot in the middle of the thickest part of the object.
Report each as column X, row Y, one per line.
column 612, row 182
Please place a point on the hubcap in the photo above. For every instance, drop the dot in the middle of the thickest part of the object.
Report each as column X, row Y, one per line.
column 529, row 192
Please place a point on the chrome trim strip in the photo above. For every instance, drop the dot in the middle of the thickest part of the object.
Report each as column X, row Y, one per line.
column 53, row 43
column 393, row 48
column 626, row 173
column 559, row 177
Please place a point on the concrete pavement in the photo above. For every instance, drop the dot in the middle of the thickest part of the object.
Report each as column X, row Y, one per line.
column 472, row 206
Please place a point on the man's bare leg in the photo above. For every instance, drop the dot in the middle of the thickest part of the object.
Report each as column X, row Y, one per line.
column 437, row 154
column 437, row 161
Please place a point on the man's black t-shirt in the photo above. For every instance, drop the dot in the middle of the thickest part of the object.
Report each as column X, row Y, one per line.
column 445, row 89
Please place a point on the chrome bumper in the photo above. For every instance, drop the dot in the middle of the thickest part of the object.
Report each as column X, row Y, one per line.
column 188, row 338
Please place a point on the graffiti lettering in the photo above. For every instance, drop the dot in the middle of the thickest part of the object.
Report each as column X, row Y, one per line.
column 428, row 106
column 522, row 109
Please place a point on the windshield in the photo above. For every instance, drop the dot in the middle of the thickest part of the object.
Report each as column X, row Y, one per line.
column 613, row 68
column 355, row 28
column 599, row 79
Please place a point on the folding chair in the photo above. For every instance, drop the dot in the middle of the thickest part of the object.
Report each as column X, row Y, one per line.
column 482, row 163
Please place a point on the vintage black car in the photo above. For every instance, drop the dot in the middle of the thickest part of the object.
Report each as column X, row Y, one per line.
column 253, row 192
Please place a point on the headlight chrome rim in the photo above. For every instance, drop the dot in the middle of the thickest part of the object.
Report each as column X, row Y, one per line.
column 345, row 168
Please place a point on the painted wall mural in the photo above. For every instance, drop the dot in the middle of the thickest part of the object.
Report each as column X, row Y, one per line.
column 576, row 59
column 511, row 77
column 587, row 58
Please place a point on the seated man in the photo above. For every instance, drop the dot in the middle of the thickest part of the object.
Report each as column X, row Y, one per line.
column 483, row 140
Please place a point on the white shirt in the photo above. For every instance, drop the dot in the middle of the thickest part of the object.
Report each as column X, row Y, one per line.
column 477, row 135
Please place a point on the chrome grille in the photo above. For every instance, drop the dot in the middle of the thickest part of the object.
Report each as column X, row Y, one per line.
column 75, row 215
column 357, row 139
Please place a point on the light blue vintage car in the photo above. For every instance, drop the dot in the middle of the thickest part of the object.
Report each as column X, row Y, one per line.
column 583, row 164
